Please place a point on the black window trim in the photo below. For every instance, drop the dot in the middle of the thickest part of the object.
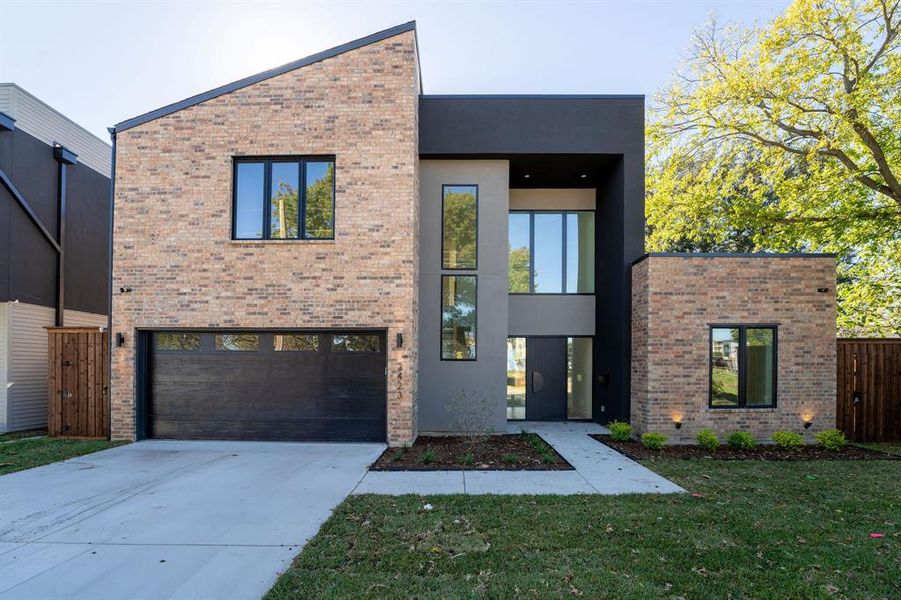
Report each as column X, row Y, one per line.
column 563, row 212
column 267, row 196
column 475, row 310
column 743, row 365
column 443, row 187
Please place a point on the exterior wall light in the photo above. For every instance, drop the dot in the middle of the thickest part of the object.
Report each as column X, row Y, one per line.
column 677, row 421
column 808, row 421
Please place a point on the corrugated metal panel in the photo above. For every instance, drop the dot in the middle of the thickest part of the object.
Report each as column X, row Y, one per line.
column 49, row 125
column 4, row 355
column 27, row 396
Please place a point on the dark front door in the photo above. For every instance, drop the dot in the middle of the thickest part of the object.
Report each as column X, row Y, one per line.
column 545, row 378
column 292, row 386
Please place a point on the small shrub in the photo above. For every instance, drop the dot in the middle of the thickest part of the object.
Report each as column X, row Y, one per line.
column 468, row 459
column 535, row 442
column 548, row 458
column 428, row 457
column 741, row 440
column 707, row 440
column 653, row 440
column 831, row 439
column 788, row 439
column 619, row 431
column 509, row 459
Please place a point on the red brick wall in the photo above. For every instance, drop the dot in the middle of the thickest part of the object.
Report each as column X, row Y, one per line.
column 172, row 236
column 675, row 299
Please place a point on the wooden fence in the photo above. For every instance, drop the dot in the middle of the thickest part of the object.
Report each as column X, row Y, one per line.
column 869, row 389
column 78, row 383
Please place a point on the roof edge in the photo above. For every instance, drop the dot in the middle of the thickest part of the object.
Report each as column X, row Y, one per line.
column 734, row 255
column 262, row 76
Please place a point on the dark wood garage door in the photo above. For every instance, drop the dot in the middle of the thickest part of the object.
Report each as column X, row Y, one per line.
column 297, row 386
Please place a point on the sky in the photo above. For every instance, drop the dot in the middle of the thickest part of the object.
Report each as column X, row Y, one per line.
column 102, row 62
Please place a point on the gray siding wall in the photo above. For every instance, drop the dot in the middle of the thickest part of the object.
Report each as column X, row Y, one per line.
column 483, row 380
column 23, row 349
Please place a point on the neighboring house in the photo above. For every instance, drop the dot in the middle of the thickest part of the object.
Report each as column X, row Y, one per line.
column 53, row 271
column 322, row 252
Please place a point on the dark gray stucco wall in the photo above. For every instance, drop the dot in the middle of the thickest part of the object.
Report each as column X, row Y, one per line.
column 552, row 314
column 27, row 261
column 483, row 380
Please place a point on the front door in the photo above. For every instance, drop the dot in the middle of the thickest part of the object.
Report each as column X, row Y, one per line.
column 545, row 378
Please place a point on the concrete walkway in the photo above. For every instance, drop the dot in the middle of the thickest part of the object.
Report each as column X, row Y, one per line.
column 162, row 519
column 598, row 470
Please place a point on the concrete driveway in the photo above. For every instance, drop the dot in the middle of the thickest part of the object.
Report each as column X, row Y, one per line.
column 163, row 519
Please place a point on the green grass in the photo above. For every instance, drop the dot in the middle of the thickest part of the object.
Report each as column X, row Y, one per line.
column 17, row 454
column 759, row 529
column 725, row 387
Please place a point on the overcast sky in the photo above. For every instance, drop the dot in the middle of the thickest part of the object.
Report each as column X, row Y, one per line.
column 102, row 62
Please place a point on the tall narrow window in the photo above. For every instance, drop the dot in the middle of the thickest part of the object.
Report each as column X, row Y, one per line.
column 459, row 225
column 520, row 260
column 578, row 377
column 319, row 207
column 249, row 200
column 547, row 276
column 516, row 378
column 284, row 204
column 580, row 253
column 284, row 199
column 742, row 366
column 458, row 317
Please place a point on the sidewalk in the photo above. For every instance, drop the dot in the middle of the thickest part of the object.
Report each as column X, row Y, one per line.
column 598, row 470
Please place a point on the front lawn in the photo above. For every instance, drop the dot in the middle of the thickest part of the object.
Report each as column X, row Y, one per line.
column 18, row 454
column 754, row 529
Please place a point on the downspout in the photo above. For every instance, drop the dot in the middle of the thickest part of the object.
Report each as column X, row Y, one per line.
column 109, row 296
column 65, row 158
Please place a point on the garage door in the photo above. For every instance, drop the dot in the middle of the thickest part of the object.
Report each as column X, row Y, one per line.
column 297, row 386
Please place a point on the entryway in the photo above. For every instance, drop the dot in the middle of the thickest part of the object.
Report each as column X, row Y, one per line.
column 549, row 378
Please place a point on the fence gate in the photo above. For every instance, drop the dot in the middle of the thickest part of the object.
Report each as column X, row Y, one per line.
column 869, row 389
column 78, row 382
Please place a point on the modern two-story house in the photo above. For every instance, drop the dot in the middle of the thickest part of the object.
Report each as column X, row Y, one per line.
column 323, row 252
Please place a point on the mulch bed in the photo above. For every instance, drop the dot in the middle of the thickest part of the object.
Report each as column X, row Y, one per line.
column 507, row 452
column 634, row 450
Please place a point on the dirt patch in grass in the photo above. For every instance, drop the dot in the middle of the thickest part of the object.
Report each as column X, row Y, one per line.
column 634, row 450
column 508, row 452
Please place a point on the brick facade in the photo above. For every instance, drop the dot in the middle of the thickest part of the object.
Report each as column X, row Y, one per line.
column 676, row 298
column 173, row 211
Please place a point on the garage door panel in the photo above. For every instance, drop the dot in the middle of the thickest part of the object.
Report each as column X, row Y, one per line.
column 267, row 395
column 312, row 430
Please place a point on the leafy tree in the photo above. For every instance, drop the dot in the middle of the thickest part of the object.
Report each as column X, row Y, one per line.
column 518, row 270
column 786, row 138
column 284, row 211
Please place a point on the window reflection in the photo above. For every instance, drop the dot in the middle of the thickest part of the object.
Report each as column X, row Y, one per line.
column 516, row 378
column 284, row 204
column 249, row 191
column 319, row 210
column 459, row 226
column 458, row 317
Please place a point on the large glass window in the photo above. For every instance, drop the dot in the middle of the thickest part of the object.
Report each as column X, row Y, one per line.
column 578, row 377
column 459, row 226
column 273, row 187
column 516, row 378
column 551, row 252
column 458, row 317
column 742, row 366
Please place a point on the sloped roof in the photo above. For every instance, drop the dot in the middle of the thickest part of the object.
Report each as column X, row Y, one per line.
column 241, row 83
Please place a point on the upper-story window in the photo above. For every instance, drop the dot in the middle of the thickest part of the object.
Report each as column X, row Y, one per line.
column 284, row 198
column 459, row 226
column 551, row 252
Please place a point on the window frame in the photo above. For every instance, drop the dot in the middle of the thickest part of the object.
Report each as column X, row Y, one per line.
column 563, row 213
column 475, row 317
column 742, row 365
column 443, row 187
column 267, row 196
